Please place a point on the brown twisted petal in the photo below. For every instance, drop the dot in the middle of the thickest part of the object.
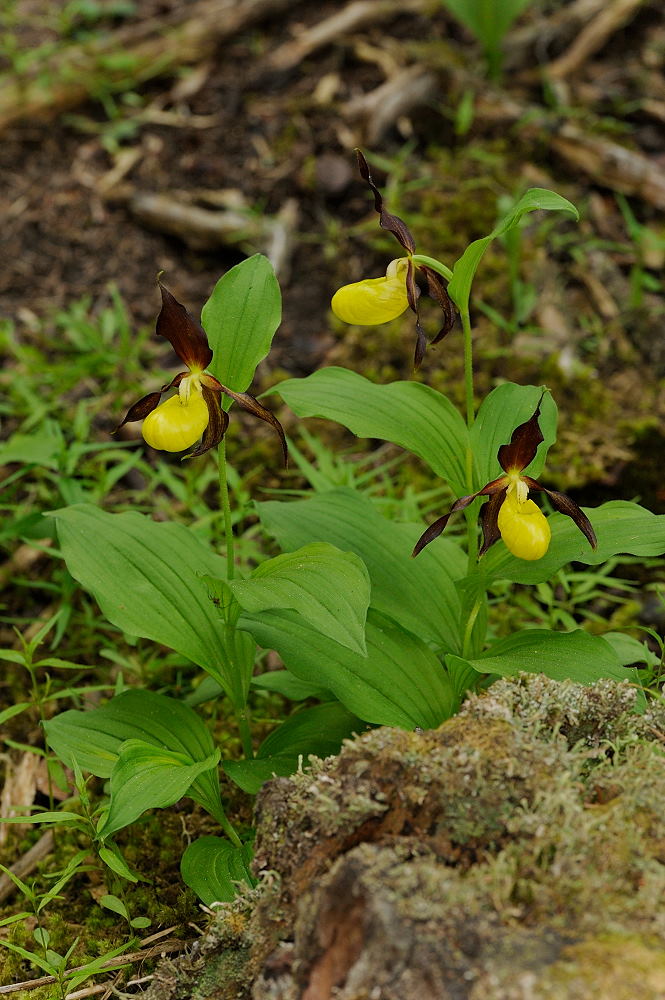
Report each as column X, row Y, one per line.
column 496, row 486
column 437, row 290
column 489, row 520
column 392, row 223
column 141, row 409
column 175, row 381
column 186, row 337
column 252, row 405
column 523, row 444
column 566, row 506
column 218, row 421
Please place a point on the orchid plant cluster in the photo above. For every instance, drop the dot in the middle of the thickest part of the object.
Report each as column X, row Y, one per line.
column 366, row 633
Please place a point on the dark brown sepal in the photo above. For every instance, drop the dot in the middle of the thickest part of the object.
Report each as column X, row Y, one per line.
column 252, row 405
column 217, row 424
column 421, row 346
column 140, row 410
column 392, row 223
column 175, row 381
column 211, row 382
column 186, row 337
column 523, row 444
column 437, row 290
column 489, row 520
column 435, row 529
column 566, row 506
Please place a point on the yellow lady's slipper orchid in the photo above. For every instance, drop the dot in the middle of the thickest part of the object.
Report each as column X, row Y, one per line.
column 509, row 514
column 196, row 411
column 373, row 300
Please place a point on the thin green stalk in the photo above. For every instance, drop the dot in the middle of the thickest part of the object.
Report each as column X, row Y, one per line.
column 225, row 504
column 242, row 718
column 436, row 265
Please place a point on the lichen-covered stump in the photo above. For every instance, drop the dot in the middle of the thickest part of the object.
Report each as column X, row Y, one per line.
column 516, row 853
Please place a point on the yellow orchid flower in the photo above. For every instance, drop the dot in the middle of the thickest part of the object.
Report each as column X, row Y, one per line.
column 195, row 412
column 509, row 514
column 373, row 301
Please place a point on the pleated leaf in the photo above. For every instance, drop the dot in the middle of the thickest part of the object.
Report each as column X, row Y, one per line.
column 419, row 593
column 317, row 731
column 621, row 527
column 459, row 287
column 409, row 414
column 213, row 867
column 146, row 578
column 240, row 319
column 328, row 588
column 399, row 683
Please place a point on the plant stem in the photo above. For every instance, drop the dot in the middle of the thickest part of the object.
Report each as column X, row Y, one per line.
column 226, row 509
column 242, row 718
column 436, row 265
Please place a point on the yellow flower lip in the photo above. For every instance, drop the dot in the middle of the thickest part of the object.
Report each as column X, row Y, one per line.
column 523, row 527
column 175, row 424
column 373, row 301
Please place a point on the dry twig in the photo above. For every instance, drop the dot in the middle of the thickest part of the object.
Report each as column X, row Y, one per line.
column 593, row 37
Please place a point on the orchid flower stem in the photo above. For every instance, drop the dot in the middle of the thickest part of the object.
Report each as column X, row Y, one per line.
column 435, row 265
column 470, row 622
column 226, row 509
column 242, row 718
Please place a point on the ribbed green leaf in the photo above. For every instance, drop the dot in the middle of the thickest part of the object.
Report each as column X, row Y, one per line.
column 411, row 415
column 504, row 409
column 328, row 588
column 575, row 656
column 621, row 527
column 146, row 578
column 315, row 731
column 419, row 593
column 149, row 777
column 212, row 867
column 459, row 287
column 240, row 319
column 93, row 740
column 488, row 20
column 399, row 683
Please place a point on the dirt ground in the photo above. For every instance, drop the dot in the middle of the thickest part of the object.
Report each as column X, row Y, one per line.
column 261, row 142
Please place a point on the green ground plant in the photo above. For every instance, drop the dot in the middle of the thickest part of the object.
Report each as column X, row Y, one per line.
column 375, row 620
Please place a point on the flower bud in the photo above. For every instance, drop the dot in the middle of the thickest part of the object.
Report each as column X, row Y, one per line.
column 176, row 425
column 524, row 528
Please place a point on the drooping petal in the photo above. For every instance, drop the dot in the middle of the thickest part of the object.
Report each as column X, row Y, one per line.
column 174, row 425
column 524, row 528
column 218, row 421
column 566, row 506
column 496, row 486
column 523, row 444
column 489, row 518
column 186, row 336
column 140, row 410
column 373, row 301
column 392, row 223
column 437, row 290
column 252, row 405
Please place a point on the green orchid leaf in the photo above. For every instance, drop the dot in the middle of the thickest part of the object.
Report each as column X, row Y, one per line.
column 149, row 777
column 575, row 656
column 631, row 651
column 240, row 319
column 213, row 867
column 328, row 588
column 621, row 527
column 147, row 579
column 317, row 731
column 289, row 686
column 399, row 683
column 93, row 740
column 459, row 287
column 409, row 414
column 504, row 409
column 487, row 20
column 420, row 594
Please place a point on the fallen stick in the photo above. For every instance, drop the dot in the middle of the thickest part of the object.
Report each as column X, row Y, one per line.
column 593, row 37
column 383, row 106
column 148, row 49
column 351, row 18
